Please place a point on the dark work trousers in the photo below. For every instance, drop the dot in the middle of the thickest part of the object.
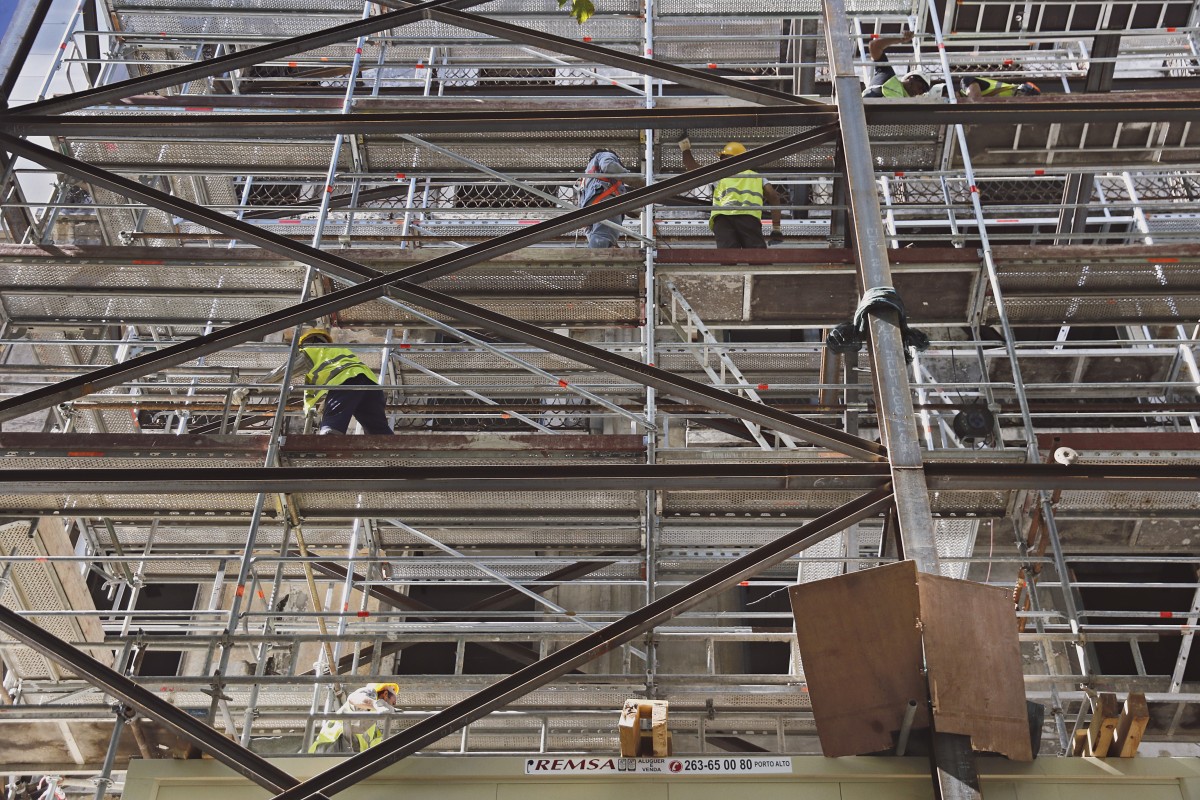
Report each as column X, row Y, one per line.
column 738, row 231
column 365, row 406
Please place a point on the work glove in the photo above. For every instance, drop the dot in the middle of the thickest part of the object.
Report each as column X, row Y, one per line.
column 776, row 236
column 240, row 396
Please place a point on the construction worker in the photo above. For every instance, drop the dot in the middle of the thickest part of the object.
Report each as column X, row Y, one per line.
column 596, row 187
column 347, row 736
column 975, row 88
column 736, row 218
column 333, row 369
column 884, row 81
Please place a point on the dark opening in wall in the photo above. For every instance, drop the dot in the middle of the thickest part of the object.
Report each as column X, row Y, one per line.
column 1116, row 658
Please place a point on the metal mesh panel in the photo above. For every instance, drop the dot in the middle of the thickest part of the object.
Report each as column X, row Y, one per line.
column 33, row 587
column 1097, row 311
column 411, row 569
column 212, row 155
column 33, row 309
column 1059, row 278
column 578, row 311
column 783, row 8
column 398, row 503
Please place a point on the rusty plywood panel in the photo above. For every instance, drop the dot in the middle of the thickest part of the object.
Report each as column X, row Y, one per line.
column 862, row 656
column 827, row 298
column 974, row 662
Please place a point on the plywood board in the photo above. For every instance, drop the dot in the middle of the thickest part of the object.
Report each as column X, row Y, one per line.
column 861, row 651
column 974, row 662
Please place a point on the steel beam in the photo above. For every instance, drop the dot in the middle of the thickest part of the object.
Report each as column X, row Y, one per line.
column 242, row 58
column 349, row 772
column 371, row 284
column 23, row 25
column 229, row 753
column 842, row 475
column 1043, row 110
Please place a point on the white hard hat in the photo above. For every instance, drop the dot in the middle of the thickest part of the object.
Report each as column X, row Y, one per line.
column 917, row 73
column 938, row 90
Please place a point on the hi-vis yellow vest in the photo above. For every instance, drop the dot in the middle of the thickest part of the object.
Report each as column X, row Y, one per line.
column 993, row 88
column 731, row 195
column 332, row 366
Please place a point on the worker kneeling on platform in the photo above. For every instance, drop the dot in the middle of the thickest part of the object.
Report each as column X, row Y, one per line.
column 333, row 370
column 348, row 736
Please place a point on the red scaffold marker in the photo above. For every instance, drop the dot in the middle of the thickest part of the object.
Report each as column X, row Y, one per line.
column 358, row 50
column 261, row 596
column 241, row 590
column 1165, row 614
column 406, row 346
column 292, row 64
column 762, row 387
column 400, row 176
column 197, row 108
column 563, row 384
column 712, row 66
column 743, row 583
column 975, row 189
column 1039, row 172
column 85, row 453
column 587, row 38
column 364, row 614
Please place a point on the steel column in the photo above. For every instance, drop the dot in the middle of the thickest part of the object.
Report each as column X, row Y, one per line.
column 887, row 348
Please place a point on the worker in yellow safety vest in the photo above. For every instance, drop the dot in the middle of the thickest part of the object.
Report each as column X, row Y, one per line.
column 974, row 88
column 736, row 217
column 345, row 736
column 334, row 371
column 884, row 80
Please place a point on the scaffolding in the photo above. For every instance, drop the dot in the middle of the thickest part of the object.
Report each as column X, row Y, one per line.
column 608, row 464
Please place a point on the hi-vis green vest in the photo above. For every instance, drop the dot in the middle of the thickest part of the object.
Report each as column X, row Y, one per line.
column 731, row 195
column 892, row 87
column 332, row 730
column 332, row 366
column 993, row 88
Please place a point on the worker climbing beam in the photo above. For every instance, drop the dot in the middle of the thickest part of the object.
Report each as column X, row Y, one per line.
column 400, row 285
column 1164, row 107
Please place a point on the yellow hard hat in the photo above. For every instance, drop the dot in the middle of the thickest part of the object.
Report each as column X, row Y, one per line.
column 733, row 149
column 378, row 688
column 311, row 332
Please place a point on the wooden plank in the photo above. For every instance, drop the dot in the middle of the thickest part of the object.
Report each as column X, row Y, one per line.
column 1105, row 714
column 861, row 653
column 629, row 729
column 658, row 729
column 1079, row 745
column 1135, row 716
column 973, row 657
